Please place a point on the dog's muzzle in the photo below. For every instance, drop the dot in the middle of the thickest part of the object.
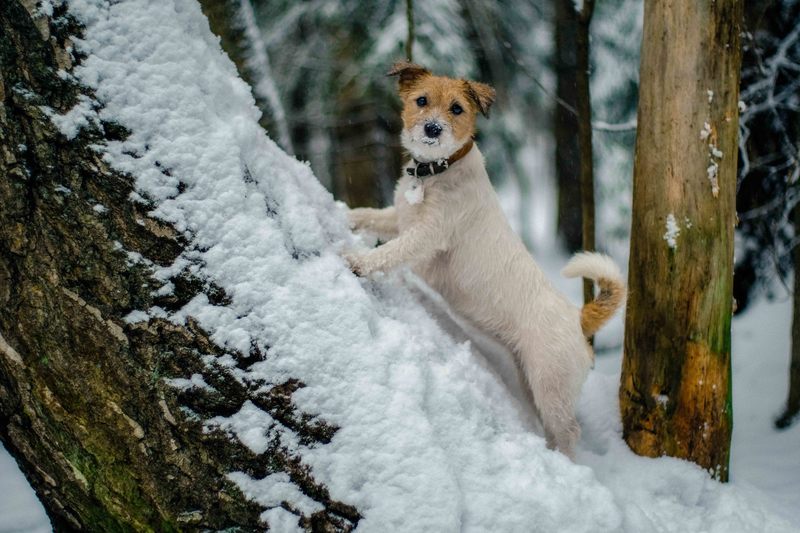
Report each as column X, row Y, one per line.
column 433, row 129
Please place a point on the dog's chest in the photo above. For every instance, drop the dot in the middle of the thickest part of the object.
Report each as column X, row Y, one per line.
column 435, row 270
column 409, row 212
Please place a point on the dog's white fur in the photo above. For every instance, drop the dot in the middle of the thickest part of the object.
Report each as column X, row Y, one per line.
column 459, row 241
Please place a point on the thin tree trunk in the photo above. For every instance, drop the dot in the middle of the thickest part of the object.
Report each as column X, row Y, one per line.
column 789, row 416
column 675, row 394
column 410, row 35
column 85, row 406
column 584, row 109
column 566, row 126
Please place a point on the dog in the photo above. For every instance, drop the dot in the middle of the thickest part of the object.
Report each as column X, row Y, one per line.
column 447, row 224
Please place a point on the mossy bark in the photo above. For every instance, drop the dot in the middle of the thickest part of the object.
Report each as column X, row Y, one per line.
column 105, row 441
column 675, row 394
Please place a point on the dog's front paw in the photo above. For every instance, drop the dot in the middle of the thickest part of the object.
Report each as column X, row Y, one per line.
column 356, row 219
column 357, row 264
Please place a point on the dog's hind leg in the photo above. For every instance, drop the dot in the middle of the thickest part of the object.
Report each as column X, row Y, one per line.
column 554, row 394
column 561, row 428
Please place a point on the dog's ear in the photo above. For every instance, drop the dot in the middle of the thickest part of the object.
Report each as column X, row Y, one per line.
column 408, row 73
column 483, row 95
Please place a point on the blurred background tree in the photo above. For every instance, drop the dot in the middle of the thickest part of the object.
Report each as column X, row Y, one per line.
column 769, row 166
column 318, row 71
column 768, row 146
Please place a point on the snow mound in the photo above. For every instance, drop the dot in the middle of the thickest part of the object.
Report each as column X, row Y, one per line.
column 430, row 438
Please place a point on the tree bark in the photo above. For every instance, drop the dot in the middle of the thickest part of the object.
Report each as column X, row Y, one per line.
column 789, row 416
column 85, row 407
column 566, row 126
column 410, row 32
column 675, row 394
column 584, row 109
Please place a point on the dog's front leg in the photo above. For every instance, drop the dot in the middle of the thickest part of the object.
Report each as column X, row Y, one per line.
column 418, row 243
column 380, row 222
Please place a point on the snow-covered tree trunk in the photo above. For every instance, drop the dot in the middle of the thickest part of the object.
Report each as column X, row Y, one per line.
column 85, row 404
column 675, row 394
column 234, row 22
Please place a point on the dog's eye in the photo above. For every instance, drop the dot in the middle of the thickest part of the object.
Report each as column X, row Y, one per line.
column 456, row 109
column 422, row 101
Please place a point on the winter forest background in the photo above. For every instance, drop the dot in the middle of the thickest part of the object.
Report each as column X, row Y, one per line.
column 317, row 72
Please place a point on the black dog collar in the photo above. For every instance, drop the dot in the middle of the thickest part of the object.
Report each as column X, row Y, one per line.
column 420, row 170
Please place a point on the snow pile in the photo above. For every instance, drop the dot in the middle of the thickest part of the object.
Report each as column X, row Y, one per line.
column 79, row 117
column 760, row 455
column 431, row 439
column 20, row 511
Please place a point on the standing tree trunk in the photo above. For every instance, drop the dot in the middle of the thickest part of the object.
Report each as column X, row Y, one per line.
column 566, row 126
column 410, row 32
column 85, row 404
column 675, row 394
column 584, row 109
column 793, row 400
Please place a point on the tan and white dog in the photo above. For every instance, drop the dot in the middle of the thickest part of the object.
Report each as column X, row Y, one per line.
column 447, row 224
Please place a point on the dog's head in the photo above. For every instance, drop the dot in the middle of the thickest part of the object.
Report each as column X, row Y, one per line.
column 438, row 113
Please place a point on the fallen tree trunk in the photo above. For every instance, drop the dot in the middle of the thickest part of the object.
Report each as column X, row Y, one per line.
column 86, row 405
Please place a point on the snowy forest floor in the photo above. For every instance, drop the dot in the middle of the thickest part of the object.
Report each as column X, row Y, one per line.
column 764, row 461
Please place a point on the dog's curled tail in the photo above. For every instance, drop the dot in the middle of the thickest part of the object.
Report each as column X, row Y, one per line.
column 605, row 272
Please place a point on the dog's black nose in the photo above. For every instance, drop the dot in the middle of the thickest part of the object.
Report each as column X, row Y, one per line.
column 432, row 129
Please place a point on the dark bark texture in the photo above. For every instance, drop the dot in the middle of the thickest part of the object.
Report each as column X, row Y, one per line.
column 675, row 394
column 566, row 125
column 105, row 441
column 792, row 411
column 584, row 109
